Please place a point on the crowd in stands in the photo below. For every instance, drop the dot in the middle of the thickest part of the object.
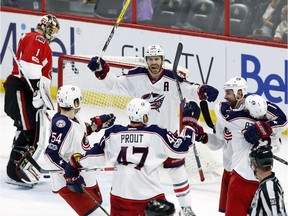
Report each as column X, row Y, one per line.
column 258, row 19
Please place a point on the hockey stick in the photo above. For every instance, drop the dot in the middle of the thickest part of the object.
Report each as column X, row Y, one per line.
column 45, row 95
column 204, row 105
column 114, row 27
column 20, row 68
column 34, row 163
column 94, row 200
column 174, row 70
column 206, row 114
column 280, row 160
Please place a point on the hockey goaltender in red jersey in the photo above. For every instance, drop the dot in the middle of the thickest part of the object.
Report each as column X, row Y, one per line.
column 34, row 56
column 136, row 150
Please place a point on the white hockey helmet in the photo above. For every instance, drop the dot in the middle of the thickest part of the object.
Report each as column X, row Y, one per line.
column 236, row 83
column 154, row 50
column 49, row 25
column 66, row 96
column 256, row 105
column 138, row 110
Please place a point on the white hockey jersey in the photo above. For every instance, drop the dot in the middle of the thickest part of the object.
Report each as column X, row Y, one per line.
column 237, row 122
column 162, row 94
column 137, row 153
column 67, row 137
column 222, row 137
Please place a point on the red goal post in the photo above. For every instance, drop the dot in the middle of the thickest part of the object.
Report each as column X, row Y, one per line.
column 98, row 99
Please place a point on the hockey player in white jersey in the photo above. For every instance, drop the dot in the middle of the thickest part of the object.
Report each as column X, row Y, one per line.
column 136, row 151
column 157, row 85
column 69, row 135
column 236, row 151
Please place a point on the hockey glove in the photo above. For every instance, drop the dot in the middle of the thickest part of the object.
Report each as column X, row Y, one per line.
column 101, row 69
column 201, row 136
column 74, row 181
column 191, row 114
column 37, row 100
column 103, row 121
column 207, row 92
column 260, row 130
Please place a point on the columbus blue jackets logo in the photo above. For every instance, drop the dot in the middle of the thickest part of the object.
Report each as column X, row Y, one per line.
column 155, row 100
column 85, row 143
column 60, row 123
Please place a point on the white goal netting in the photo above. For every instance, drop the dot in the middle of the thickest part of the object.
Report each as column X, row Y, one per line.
column 98, row 100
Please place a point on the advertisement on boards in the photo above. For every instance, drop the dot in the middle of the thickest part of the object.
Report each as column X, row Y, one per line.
column 208, row 60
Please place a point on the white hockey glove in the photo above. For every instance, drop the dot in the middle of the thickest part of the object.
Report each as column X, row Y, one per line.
column 37, row 100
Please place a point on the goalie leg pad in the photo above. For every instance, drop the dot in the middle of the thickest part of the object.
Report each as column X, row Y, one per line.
column 18, row 167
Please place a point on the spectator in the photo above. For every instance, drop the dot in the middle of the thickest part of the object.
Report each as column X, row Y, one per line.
column 281, row 32
column 144, row 11
column 267, row 19
column 269, row 197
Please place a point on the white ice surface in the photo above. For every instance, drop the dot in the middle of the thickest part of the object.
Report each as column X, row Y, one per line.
column 15, row 200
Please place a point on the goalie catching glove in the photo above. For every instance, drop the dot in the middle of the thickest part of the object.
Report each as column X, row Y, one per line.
column 42, row 96
column 260, row 130
column 74, row 181
column 100, row 68
column 207, row 92
column 191, row 115
column 37, row 100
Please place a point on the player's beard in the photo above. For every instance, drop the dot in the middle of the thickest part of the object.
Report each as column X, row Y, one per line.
column 232, row 103
column 155, row 69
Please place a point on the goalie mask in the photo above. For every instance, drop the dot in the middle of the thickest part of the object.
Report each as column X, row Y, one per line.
column 69, row 96
column 138, row 110
column 236, row 84
column 256, row 105
column 154, row 50
column 49, row 25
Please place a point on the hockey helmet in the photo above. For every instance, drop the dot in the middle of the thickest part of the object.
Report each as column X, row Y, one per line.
column 236, row 83
column 256, row 105
column 67, row 95
column 49, row 25
column 154, row 50
column 159, row 207
column 261, row 156
column 138, row 110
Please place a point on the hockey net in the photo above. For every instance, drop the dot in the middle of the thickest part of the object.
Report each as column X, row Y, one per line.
column 99, row 100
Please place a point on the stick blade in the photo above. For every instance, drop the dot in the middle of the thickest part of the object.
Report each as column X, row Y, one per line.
column 177, row 56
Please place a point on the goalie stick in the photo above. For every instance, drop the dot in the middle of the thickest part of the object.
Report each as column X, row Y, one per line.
column 34, row 163
column 174, row 70
column 42, row 88
column 20, row 68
